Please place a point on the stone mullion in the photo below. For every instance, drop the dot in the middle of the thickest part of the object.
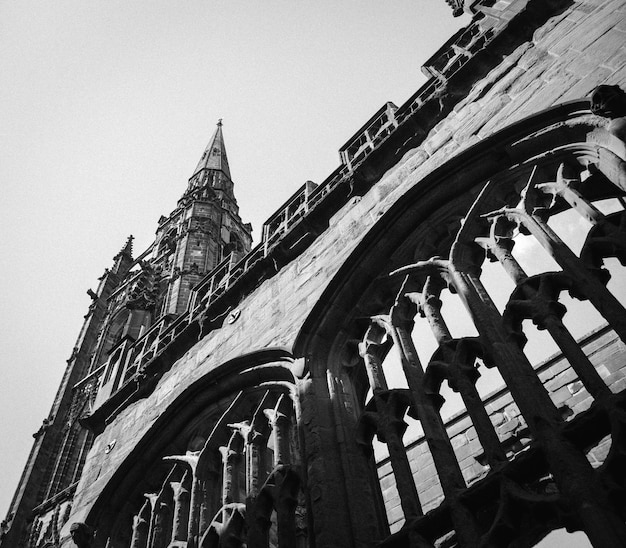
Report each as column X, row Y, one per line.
column 204, row 511
column 160, row 531
column 535, row 403
column 195, row 501
column 141, row 524
column 209, row 498
column 286, row 523
column 431, row 307
column 446, row 464
column 562, row 187
column 574, row 354
column 592, row 288
column 153, row 500
column 254, row 435
column 359, row 467
column 181, row 507
column 428, row 413
column 393, row 428
column 254, row 454
column 281, row 425
column 327, row 492
column 161, row 521
column 485, row 431
column 501, row 248
column 190, row 461
column 571, row 470
column 231, row 458
column 371, row 350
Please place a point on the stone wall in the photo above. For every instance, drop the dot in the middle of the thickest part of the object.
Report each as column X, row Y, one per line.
column 570, row 55
column 606, row 352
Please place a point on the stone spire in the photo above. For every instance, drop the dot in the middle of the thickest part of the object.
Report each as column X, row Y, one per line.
column 214, row 156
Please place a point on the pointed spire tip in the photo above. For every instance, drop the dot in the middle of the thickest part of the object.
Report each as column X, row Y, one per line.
column 214, row 156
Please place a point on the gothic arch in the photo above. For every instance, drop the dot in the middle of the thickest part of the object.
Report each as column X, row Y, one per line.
column 225, row 447
column 440, row 236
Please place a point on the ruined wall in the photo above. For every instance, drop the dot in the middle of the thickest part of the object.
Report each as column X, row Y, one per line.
column 570, row 55
column 606, row 352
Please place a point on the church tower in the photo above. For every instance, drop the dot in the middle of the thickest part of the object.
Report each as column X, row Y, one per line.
column 204, row 229
column 132, row 295
column 373, row 373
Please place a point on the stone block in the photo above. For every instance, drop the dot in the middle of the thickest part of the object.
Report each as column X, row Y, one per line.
column 607, row 45
column 583, row 405
column 460, row 425
column 575, row 387
column 600, row 451
column 511, row 411
column 431, row 498
column 459, row 440
column 618, row 386
column 426, row 481
column 426, row 473
column 470, row 450
column 506, row 429
column 395, row 513
column 596, row 25
column 560, row 396
column 498, row 404
column 560, row 380
column 387, row 482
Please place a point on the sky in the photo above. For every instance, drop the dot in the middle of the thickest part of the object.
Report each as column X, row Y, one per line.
column 105, row 109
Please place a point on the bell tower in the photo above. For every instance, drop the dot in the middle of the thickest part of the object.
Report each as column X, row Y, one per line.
column 204, row 229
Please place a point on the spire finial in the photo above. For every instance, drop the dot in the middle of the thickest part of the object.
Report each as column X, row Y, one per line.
column 214, row 156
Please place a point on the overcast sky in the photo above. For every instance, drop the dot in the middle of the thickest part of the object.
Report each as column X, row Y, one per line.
column 105, row 109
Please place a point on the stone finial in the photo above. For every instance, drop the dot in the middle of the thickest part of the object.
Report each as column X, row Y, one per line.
column 608, row 102
column 457, row 7
column 81, row 534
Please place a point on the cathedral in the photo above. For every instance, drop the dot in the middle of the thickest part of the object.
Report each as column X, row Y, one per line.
column 425, row 350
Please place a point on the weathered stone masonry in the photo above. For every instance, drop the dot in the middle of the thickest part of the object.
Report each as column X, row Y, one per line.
column 249, row 416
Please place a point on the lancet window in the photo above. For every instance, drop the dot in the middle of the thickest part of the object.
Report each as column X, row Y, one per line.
column 485, row 467
column 234, row 473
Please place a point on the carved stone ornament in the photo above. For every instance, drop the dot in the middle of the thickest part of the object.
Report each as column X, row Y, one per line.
column 608, row 102
column 81, row 534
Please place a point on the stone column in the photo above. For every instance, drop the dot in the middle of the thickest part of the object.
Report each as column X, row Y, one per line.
column 231, row 458
column 280, row 422
column 571, row 470
column 141, row 525
column 587, row 283
column 181, row 490
column 427, row 406
column 459, row 356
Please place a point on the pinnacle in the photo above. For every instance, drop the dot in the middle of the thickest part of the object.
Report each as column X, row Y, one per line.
column 128, row 248
column 214, row 156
